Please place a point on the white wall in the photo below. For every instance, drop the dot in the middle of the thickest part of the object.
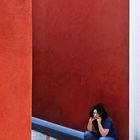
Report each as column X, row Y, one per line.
column 134, row 67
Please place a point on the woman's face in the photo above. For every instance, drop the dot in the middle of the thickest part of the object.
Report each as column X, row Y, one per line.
column 95, row 114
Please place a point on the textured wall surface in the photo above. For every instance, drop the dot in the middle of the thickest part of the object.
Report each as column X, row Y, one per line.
column 15, row 69
column 80, row 57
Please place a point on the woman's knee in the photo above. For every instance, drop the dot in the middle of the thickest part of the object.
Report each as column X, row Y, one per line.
column 102, row 138
column 87, row 135
column 90, row 136
column 106, row 138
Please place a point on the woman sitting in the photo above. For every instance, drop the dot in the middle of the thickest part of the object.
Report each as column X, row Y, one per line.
column 100, row 125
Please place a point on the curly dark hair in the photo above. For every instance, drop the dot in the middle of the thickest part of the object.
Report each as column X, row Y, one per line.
column 101, row 111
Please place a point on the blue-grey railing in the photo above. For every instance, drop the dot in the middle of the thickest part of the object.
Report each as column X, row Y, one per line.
column 55, row 130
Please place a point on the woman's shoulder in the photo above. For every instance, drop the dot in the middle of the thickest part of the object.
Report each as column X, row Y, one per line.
column 109, row 119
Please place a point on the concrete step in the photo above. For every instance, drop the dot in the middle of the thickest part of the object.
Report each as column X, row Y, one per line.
column 39, row 136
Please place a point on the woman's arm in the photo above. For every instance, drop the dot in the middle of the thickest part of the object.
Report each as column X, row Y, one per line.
column 90, row 126
column 102, row 131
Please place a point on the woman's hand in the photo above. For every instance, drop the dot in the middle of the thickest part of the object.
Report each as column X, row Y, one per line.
column 99, row 120
column 91, row 119
column 90, row 126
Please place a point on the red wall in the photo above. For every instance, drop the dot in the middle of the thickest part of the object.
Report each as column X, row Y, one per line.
column 80, row 58
column 15, row 70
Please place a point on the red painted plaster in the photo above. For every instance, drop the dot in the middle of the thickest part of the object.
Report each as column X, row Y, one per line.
column 80, row 58
column 15, row 69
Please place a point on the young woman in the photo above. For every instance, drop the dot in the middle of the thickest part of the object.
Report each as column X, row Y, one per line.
column 100, row 125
